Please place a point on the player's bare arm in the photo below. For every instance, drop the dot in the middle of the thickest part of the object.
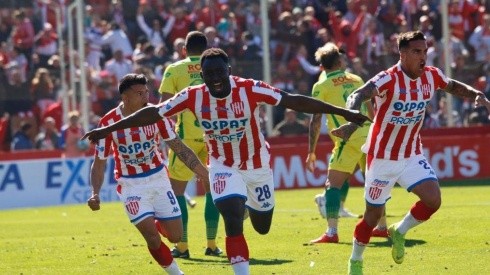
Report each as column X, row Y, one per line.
column 313, row 134
column 481, row 100
column 96, row 181
column 188, row 157
column 354, row 102
column 143, row 117
column 460, row 89
column 301, row 103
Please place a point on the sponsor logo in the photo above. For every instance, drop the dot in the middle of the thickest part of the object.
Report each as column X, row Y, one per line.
column 405, row 120
column 380, row 183
column 266, row 205
column 144, row 159
column 221, row 124
column 227, row 138
column 175, row 209
column 374, row 192
column 136, row 147
column 237, row 259
column 402, row 106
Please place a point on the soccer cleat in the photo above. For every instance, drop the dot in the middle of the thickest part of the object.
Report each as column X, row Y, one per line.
column 160, row 229
column 177, row 254
column 326, row 239
column 344, row 213
column 355, row 267
column 398, row 244
column 216, row 252
column 381, row 233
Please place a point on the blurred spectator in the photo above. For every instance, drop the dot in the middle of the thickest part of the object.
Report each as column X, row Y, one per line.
column 70, row 137
column 22, row 139
column 42, row 89
column 46, row 44
column 49, row 137
column 430, row 119
column 480, row 40
column 117, row 39
column 157, row 33
column 18, row 63
column 23, row 33
column 4, row 132
column 18, row 95
column 290, row 125
column 106, row 94
column 118, row 65
column 346, row 35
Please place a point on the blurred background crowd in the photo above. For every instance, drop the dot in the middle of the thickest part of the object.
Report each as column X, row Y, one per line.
column 145, row 36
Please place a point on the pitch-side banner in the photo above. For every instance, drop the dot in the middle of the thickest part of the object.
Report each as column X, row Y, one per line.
column 55, row 181
column 452, row 157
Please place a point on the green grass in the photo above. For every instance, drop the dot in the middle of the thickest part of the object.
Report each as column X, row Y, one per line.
column 74, row 240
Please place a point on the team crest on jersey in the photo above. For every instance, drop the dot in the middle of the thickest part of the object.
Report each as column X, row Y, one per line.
column 149, row 130
column 374, row 192
column 237, row 108
column 425, row 89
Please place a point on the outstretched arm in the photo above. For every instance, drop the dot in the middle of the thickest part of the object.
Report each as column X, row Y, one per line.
column 354, row 102
column 310, row 105
column 145, row 116
column 188, row 157
column 313, row 134
column 461, row 89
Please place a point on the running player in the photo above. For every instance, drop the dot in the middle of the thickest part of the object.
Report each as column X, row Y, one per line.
column 227, row 109
column 143, row 183
column 393, row 147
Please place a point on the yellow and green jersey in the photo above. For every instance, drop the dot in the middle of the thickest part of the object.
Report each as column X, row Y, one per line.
column 334, row 88
column 178, row 76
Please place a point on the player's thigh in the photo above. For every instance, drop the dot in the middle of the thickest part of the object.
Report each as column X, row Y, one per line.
column 260, row 189
column 344, row 159
column 164, row 201
column 149, row 231
column 381, row 176
column 226, row 182
column 177, row 169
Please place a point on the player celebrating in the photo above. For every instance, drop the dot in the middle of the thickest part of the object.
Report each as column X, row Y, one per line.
column 143, row 183
column 178, row 76
column 334, row 89
column 227, row 109
column 393, row 147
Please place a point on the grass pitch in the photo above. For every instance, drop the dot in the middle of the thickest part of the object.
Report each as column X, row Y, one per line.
column 74, row 240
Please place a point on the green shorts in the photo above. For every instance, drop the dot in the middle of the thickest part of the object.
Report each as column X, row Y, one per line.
column 177, row 169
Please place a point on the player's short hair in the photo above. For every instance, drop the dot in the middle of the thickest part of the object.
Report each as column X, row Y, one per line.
column 328, row 55
column 214, row 53
column 405, row 38
column 131, row 79
column 196, row 42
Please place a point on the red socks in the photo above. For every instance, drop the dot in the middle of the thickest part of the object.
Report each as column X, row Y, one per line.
column 362, row 233
column 162, row 255
column 237, row 249
column 421, row 212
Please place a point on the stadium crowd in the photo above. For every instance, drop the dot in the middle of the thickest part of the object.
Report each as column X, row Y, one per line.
column 124, row 36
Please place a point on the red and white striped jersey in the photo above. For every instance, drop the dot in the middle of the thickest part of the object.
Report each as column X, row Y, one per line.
column 231, row 124
column 400, row 109
column 136, row 150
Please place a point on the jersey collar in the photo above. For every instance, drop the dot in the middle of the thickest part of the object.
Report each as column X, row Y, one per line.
column 330, row 74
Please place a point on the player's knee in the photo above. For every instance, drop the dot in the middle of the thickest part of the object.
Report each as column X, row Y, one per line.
column 434, row 203
column 262, row 230
column 174, row 238
column 153, row 240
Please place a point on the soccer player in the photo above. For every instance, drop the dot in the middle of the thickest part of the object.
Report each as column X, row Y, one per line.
column 393, row 146
column 334, row 88
column 178, row 76
column 143, row 183
column 227, row 109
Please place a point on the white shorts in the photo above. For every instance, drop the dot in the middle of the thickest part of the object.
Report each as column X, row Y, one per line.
column 148, row 196
column 256, row 186
column 382, row 174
